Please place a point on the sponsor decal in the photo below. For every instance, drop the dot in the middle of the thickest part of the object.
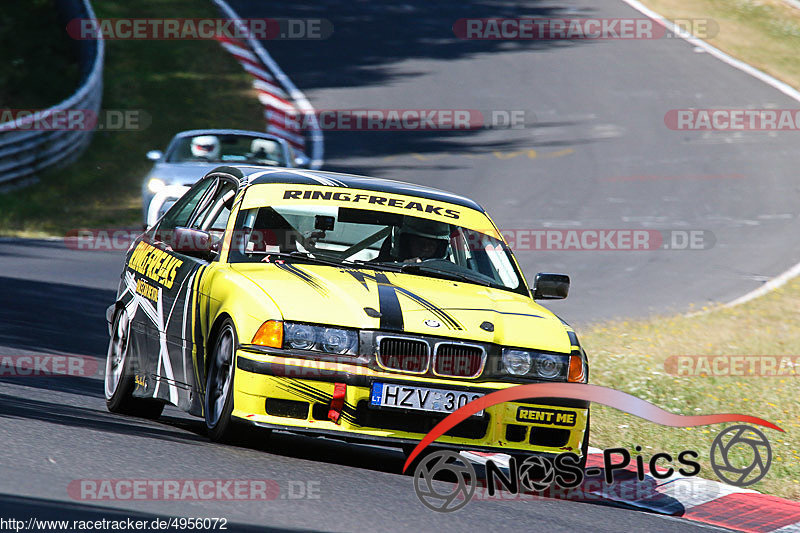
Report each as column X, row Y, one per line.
column 374, row 199
column 157, row 265
column 541, row 415
column 148, row 291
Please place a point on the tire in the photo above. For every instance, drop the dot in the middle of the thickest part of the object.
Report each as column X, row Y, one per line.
column 119, row 378
column 218, row 404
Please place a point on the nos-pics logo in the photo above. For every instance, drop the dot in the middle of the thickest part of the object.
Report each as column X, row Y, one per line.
column 444, row 481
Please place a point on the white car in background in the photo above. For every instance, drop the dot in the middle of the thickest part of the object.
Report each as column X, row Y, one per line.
column 192, row 154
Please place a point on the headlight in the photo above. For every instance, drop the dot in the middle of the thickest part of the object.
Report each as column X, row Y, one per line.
column 548, row 366
column 517, row 362
column 155, row 185
column 298, row 336
column 338, row 340
column 535, row 364
column 320, row 338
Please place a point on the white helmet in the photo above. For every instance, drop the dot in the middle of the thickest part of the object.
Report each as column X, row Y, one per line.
column 414, row 229
column 266, row 149
column 205, row 146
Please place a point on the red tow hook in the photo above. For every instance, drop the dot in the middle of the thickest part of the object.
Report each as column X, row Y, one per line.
column 337, row 402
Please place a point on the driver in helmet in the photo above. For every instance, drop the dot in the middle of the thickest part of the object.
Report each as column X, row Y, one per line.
column 205, row 147
column 265, row 150
column 419, row 239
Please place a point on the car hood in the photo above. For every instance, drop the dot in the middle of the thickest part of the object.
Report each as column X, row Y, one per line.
column 370, row 299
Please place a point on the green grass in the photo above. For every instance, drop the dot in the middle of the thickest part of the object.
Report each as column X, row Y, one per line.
column 40, row 66
column 630, row 356
column 763, row 33
column 178, row 84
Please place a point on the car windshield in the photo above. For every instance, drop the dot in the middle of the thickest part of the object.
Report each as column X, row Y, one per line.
column 366, row 238
column 229, row 148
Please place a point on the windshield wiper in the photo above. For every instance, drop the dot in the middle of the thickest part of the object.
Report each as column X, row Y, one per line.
column 379, row 265
column 457, row 276
column 305, row 256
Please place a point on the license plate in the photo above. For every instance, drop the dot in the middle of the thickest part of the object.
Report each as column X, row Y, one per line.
column 420, row 398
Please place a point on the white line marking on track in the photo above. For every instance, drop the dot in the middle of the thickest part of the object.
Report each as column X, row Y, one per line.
column 786, row 89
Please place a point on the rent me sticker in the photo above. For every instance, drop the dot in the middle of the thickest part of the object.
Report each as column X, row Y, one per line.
column 545, row 416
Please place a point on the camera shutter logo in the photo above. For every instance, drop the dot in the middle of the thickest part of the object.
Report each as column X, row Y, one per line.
column 738, row 437
column 536, row 473
column 455, row 495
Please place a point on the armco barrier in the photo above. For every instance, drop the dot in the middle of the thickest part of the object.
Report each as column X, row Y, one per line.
column 24, row 153
column 276, row 92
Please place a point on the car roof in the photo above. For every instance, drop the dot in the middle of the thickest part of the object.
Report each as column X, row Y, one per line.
column 255, row 175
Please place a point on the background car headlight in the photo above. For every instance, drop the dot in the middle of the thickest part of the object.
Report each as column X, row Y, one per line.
column 517, row 362
column 320, row 338
column 155, row 185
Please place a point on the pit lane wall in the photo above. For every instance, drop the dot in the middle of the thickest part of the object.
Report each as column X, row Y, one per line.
column 25, row 149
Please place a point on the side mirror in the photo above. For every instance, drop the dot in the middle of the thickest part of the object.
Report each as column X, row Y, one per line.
column 301, row 161
column 154, row 155
column 550, row 286
column 193, row 242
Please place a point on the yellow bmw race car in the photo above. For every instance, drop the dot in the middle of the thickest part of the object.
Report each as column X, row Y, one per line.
column 352, row 307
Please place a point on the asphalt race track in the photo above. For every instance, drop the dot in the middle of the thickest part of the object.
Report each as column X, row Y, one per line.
column 605, row 159
column 595, row 155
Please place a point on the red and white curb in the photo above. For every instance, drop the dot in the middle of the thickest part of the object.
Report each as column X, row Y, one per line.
column 283, row 102
column 692, row 498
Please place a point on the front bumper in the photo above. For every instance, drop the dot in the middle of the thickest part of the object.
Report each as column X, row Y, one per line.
column 292, row 393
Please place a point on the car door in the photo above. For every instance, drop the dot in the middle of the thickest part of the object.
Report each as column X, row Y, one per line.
column 183, row 239
column 155, row 274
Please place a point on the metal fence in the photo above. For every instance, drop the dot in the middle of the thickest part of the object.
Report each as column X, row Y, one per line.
column 26, row 152
column 279, row 88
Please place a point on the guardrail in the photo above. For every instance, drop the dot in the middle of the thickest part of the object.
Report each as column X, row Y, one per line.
column 276, row 91
column 24, row 153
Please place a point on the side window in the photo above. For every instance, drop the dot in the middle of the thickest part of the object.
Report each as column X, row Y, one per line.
column 180, row 213
column 215, row 210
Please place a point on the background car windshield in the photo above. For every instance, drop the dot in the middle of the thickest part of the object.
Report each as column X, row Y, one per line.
column 228, row 149
column 376, row 237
